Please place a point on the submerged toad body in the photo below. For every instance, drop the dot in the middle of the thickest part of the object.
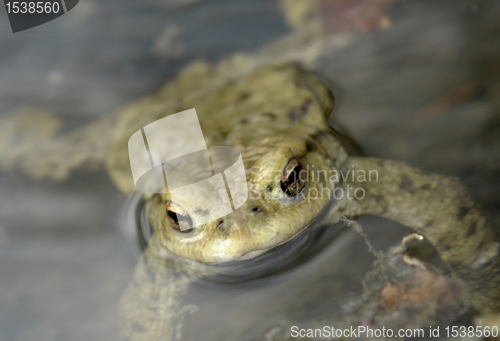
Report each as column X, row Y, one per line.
column 277, row 117
column 300, row 178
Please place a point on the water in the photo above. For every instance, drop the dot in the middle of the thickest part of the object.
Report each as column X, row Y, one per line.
column 425, row 92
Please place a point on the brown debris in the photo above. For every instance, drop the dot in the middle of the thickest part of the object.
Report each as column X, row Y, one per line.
column 403, row 291
column 420, row 287
column 351, row 15
column 399, row 295
column 441, row 106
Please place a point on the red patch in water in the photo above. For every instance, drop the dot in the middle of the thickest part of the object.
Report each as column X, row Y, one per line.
column 350, row 15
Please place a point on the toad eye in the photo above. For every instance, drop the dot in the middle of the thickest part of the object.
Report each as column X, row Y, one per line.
column 291, row 182
column 179, row 218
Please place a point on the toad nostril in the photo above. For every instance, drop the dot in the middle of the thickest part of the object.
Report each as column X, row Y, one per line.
column 256, row 209
column 220, row 222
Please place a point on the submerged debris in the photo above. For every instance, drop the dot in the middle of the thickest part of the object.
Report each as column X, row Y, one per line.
column 338, row 15
column 405, row 291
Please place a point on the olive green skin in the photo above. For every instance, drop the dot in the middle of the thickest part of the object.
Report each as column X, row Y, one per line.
column 272, row 115
column 260, row 125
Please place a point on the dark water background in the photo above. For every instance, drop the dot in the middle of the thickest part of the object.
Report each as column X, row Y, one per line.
column 426, row 91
